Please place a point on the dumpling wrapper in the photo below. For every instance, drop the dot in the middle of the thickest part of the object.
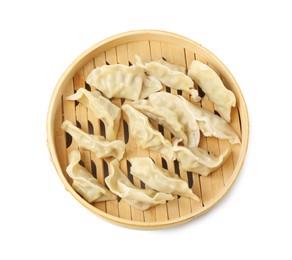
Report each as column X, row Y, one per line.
column 98, row 145
column 102, row 108
column 84, row 183
column 145, row 136
column 117, row 80
column 168, row 110
column 196, row 159
column 160, row 179
column 150, row 86
column 171, row 66
column 138, row 198
column 163, row 116
column 169, row 77
column 212, row 85
column 211, row 124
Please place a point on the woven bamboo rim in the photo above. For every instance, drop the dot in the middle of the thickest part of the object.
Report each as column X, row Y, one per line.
column 122, row 48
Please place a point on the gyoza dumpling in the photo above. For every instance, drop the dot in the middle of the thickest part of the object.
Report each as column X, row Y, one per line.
column 163, row 116
column 171, row 66
column 117, row 80
column 160, row 179
column 196, row 159
column 150, row 86
column 144, row 134
column 169, row 111
column 138, row 198
column 211, row 124
column 84, row 183
column 96, row 144
column 212, row 85
column 169, row 77
column 102, row 108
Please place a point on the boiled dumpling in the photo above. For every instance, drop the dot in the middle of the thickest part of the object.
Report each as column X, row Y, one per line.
column 212, row 85
column 169, row 111
column 102, row 108
column 171, row 66
column 117, row 80
column 138, row 198
column 211, row 124
column 196, row 159
column 84, row 183
column 169, row 77
column 163, row 116
column 160, row 179
column 144, row 134
column 150, row 86
column 96, row 144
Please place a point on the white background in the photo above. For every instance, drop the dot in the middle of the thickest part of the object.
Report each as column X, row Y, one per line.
column 39, row 39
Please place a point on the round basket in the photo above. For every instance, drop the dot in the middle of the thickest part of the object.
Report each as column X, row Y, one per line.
column 122, row 48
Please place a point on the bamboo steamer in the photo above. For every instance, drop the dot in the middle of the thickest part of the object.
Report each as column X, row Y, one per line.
column 122, row 48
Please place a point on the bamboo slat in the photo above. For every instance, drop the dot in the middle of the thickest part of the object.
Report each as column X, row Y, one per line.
column 194, row 179
column 160, row 210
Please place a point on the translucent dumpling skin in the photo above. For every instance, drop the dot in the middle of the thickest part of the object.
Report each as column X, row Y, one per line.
column 169, row 75
column 98, row 145
column 84, row 183
column 160, row 179
column 117, row 80
column 212, row 85
column 211, row 124
column 198, row 160
column 102, row 108
column 138, row 198
column 145, row 135
column 168, row 110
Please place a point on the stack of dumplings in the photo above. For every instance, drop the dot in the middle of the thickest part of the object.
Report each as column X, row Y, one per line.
column 142, row 87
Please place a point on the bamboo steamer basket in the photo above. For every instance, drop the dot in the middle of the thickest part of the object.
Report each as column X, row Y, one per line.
column 122, row 48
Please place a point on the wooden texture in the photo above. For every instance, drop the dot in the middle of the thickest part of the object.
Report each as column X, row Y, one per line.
column 149, row 45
